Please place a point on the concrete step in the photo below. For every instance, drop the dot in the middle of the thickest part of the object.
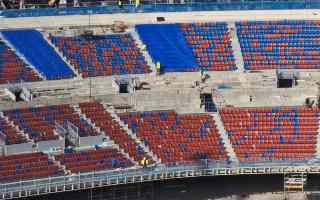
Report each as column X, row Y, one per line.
column 225, row 138
column 144, row 51
column 236, row 46
column 131, row 134
column 46, row 37
column 11, row 123
column 100, row 131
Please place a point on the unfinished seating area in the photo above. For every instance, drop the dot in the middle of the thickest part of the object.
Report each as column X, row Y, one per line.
column 270, row 134
column 93, row 160
column 280, row 44
column 211, row 45
column 178, row 138
column 12, row 68
column 96, row 112
column 103, row 55
column 27, row 166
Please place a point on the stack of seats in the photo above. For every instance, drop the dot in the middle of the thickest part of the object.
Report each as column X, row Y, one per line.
column 211, row 45
column 27, row 166
column 178, row 138
column 280, row 44
column 93, row 160
column 12, row 68
column 270, row 134
column 11, row 135
column 32, row 45
column 101, row 118
column 103, row 55
column 39, row 122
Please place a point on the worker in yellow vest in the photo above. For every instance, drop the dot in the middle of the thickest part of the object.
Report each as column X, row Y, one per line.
column 120, row 3
column 158, row 67
column 137, row 3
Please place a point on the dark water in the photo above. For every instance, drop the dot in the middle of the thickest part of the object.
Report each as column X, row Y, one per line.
column 183, row 189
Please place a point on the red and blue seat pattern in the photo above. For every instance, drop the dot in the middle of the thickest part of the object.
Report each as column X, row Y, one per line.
column 10, row 134
column 177, row 138
column 280, row 44
column 39, row 122
column 103, row 119
column 93, row 160
column 12, row 68
column 211, row 45
column 269, row 134
column 103, row 55
column 27, row 166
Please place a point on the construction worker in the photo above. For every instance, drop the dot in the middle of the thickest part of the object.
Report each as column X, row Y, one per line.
column 158, row 67
column 120, row 3
column 137, row 3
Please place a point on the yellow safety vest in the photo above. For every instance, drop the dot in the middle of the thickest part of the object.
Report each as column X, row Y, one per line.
column 137, row 3
column 158, row 66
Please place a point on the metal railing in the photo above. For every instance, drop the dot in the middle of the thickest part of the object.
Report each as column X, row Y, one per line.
column 133, row 175
column 153, row 6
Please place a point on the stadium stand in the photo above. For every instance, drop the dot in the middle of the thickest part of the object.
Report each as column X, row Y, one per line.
column 101, row 118
column 12, row 68
column 177, row 138
column 211, row 45
column 39, row 122
column 43, row 57
column 27, row 166
column 10, row 134
column 93, row 160
column 103, row 55
column 279, row 44
column 270, row 134
column 166, row 44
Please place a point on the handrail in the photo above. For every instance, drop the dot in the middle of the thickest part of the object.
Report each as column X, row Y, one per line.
column 124, row 174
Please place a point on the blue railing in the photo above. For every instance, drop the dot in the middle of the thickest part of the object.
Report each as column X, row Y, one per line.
column 252, row 5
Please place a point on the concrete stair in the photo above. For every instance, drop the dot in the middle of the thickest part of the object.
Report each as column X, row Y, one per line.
column 142, row 48
column 24, row 59
column 236, row 46
column 131, row 134
column 11, row 123
column 225, row 138
column 46, row 37
column 98, row 129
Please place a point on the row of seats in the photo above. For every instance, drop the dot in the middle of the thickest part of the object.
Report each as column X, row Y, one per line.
column 211, row 45
column 40, row 122
column 103, row 55
column 27, row 166
column 177, row 138
column 103, row 119
column 260, row 134
column 12, row 68
column 279, row 44
column 93, row 160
